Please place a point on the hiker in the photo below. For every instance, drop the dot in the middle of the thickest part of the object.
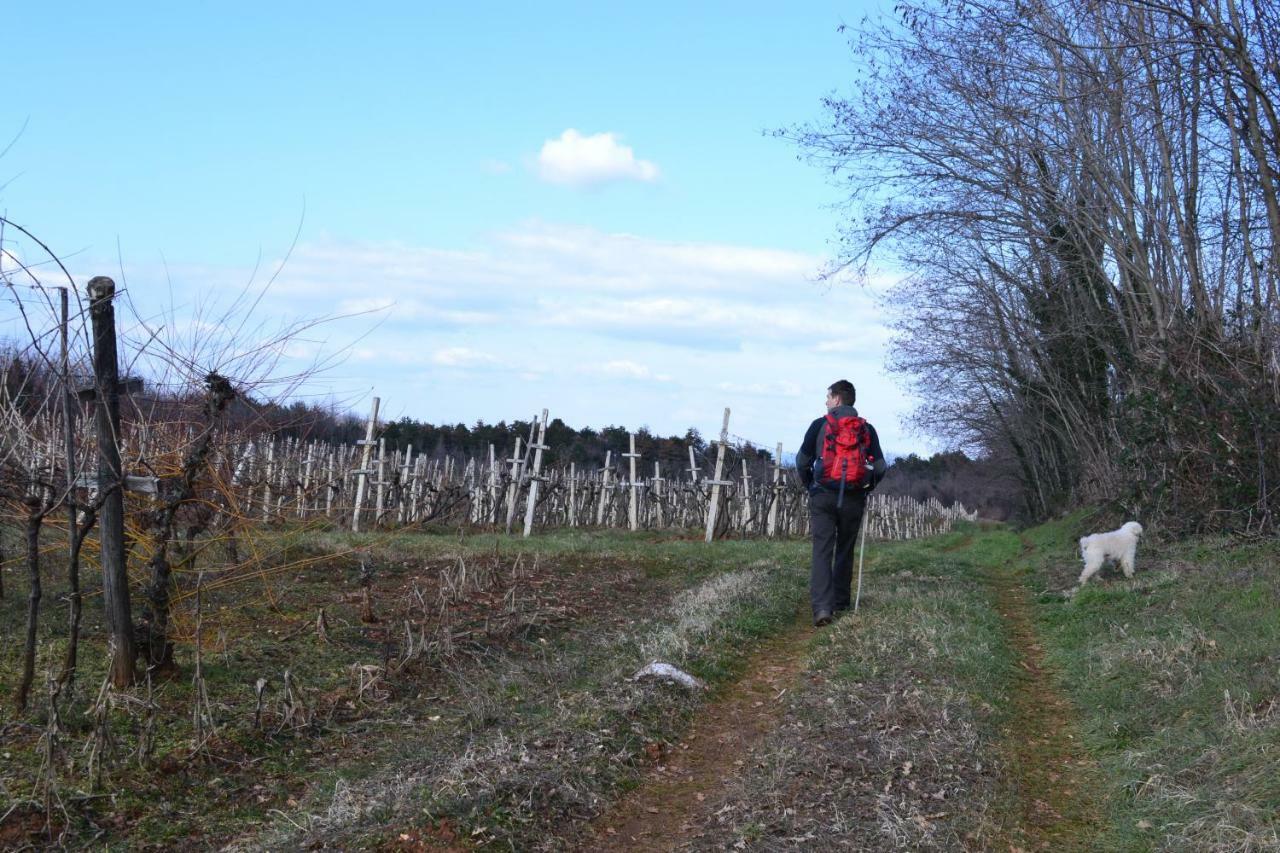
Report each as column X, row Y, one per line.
column 839, row 463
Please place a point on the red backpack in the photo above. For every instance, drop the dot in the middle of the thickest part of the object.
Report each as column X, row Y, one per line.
column 843, row 453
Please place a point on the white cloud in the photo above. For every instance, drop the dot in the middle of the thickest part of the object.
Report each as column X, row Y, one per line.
column 560, row 316
column 580, row 161
column 417, row 310
column 625, row 369
column 462, row 357
column 781, row 388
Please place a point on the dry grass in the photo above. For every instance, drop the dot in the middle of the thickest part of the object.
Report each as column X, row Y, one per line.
column 551, row 736
column 889, row 739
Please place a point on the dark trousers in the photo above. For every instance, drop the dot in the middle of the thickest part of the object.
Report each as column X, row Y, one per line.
column 835, row 535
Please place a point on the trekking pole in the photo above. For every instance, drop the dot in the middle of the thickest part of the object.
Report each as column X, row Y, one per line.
column 862, row 549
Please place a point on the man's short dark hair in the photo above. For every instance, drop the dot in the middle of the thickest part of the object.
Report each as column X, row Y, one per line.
column 845, row 391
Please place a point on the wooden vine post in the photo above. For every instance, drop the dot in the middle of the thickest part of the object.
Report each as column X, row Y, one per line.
column 776, row 497
column 714, row 506
column 493, row 486
column 115, row 577
column 266, row 481
column 362, row 473
column 632, row 508
column 657, row 493
column 513, row 487
column 380, row 485
column 573, row 495
column 604, row 487
column 535, row 477
column 406, row 485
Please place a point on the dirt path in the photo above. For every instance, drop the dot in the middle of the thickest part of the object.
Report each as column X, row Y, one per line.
column 1051, row 780
column 686, row 784
column 1055, row 780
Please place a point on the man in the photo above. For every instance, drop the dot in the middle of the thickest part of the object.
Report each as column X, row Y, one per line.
column 840, row 462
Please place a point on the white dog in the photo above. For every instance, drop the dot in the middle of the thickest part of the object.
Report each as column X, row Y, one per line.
column 1119, row 545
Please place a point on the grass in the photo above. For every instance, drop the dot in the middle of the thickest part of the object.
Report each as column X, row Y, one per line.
column 491, row 703
column 891, row 737
column 1174, row 676
column 502, row 709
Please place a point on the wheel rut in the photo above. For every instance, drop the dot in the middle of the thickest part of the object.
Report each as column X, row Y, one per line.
column 686, row 784
column 1054, row 782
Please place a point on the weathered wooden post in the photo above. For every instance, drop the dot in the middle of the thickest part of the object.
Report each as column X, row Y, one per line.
column 493, row 486
column 330, row 488
column 631, row 506
column 658, row 496
column 419, row 469
column 714, row 507
column 745, row 518
column 513, row 487
column 266, row 481
column 535, row 477
column 776, row 497
column 520, row 474
column 115, row 577
column 380, row 484
column 304, row 486
column 573, row 496
column 402, row 507
column 604, row 487
column 69, row 450
column 362, row 473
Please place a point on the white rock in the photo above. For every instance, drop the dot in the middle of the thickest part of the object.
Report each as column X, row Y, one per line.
column 667, row 672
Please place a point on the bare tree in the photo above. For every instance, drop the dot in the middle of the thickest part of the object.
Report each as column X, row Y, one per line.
column 1084, row 195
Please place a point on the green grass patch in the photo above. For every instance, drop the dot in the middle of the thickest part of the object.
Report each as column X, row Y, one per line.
column 891, row 736
column 1175, row 678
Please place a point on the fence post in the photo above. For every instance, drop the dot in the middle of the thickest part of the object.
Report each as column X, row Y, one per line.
column 115, row 577
column 633, row 518
column 534, row 478
column 406, row 487
column 513, row 486
column 362, row 473
column 330, row 487
column 604, row 487
column 714, row 507
column 776, row 496
column 660, row 520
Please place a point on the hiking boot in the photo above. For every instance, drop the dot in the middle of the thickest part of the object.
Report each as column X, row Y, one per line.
column 822, row 619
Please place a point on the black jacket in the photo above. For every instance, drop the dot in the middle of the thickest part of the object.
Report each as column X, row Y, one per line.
column 809, row 450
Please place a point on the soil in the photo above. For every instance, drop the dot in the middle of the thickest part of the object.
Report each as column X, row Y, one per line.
column 1055, row 778
column 1051, row 783
column 28, row 827
column 685, row 785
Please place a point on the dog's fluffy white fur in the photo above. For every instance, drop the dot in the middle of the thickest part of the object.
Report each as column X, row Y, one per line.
column 1119, row 545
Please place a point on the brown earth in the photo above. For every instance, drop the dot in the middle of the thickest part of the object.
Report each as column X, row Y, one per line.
column 1055, row 778
column 1049, row 787
column 686, row 784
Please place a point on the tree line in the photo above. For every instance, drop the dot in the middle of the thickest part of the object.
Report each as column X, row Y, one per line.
column 949, row 476
column 1084, row 197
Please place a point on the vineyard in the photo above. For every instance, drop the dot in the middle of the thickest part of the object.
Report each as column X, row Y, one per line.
column 160, row 531
column 198, row 495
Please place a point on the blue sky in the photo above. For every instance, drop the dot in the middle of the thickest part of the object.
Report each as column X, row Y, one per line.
column 570, row 206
